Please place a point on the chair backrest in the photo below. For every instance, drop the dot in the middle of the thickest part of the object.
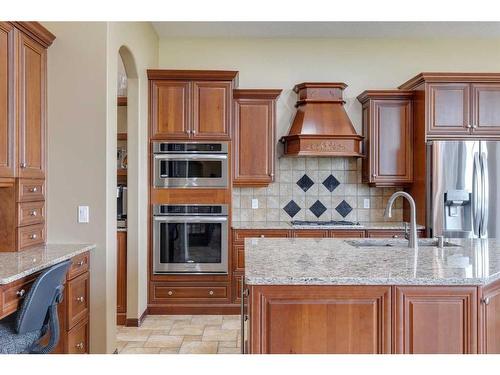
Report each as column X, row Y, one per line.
column 46, row 291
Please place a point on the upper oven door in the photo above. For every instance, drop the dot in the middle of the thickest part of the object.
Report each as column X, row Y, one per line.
column 190, row 170
column 190, row 244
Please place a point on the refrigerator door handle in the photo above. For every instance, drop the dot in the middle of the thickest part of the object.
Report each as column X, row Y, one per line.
column 476, row 196
column 484, row 196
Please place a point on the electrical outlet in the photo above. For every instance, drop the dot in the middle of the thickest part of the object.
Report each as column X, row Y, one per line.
column 83, row 214
column 255, row 204
column 366, row 203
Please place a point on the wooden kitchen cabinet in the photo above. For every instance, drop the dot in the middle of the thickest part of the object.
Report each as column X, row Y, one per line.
column 7, row 101
column 489, row 319
column 437, row 320
column 485, row 115
column 191, row 104
column 254, row 137
column 449, row 104
column 388, row 131
column 121, row 274
column 286, row 319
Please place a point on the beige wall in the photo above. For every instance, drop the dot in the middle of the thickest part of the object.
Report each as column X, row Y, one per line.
column 82, row 126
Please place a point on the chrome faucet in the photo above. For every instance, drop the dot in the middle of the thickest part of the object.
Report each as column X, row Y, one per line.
column 412, row 240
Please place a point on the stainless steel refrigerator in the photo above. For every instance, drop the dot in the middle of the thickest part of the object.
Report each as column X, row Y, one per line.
column 464, row 188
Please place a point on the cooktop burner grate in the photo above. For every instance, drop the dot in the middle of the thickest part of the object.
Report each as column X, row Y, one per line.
column 323, row 223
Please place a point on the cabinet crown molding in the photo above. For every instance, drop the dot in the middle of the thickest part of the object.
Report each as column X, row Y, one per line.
column 416, row 81
column 36, row 31
column 384, row 94
column 256, row 93
column 198, row 75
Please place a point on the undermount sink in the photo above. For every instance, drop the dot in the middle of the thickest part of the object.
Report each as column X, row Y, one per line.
column 423, row 242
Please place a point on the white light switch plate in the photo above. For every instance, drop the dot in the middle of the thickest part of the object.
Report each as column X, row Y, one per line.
column 366, row 203
column 83, row 214
column 255, row 203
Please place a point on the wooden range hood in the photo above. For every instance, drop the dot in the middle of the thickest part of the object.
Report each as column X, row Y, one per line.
column 321, row 126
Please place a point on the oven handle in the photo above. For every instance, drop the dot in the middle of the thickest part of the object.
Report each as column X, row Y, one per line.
column 190, row 157
column 191, row 219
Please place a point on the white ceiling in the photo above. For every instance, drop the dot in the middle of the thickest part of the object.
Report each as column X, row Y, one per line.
column 328, row 29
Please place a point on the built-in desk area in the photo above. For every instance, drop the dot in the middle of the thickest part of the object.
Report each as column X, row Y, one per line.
column 18, row 271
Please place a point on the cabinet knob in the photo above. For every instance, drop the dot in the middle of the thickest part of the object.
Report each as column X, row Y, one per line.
column 211, row 292
column 79, row 346
column 193, row 131
column 20, row 293
column 486, row 300
column 33, row 189
column 395, row 236
column 374, row 175
column 80, row 263
column 33, row 236
column 262, row 236
column 80, row 299
column 23, row 165
column 33, row 213
column 170, row 292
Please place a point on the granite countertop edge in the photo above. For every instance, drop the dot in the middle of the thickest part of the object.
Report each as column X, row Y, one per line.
column 82, row 248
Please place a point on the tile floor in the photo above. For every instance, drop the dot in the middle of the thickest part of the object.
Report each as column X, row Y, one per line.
column 181, row 334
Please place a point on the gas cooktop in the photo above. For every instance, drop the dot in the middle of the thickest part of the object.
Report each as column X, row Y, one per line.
column 323, row 223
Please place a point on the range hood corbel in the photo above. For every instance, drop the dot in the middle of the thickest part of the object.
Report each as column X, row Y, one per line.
column 321, row 126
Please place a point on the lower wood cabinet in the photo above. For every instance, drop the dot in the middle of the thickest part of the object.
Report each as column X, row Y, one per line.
column 430, row 320
column 489, row 319
column 121, row 275
column 320, row 319
column 78, row 339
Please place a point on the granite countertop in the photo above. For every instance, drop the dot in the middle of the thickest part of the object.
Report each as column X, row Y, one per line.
column 121, row 229
column 394, row 225
column 16, row 265
column 330, row 261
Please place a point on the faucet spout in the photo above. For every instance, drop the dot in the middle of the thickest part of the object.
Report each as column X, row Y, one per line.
column 412, row 240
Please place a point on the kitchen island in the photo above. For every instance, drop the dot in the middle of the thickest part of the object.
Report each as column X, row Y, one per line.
column 330, row 295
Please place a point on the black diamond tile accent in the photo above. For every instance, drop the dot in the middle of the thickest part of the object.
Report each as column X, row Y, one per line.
column 331, row 183
column 305, row 182
column 292, row 208
column 343, row 208
column 317, row 208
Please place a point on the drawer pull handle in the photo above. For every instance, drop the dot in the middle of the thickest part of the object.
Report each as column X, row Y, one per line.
column 211, row 292
column 33, row 213
column 20, row 293
column 33, row 236
column 80, row 299
column 33, row 189
column 170, row 292
column 79, row 346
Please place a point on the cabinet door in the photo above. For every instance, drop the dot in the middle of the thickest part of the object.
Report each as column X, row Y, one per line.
column 436, row 320
column 211, row 109
column 32, row 110
column 392, row 143
column 448, row 109
column 170, row 109
column 254, row 142
column 489, row 320
column 7, row 129
column 121, row 273
column 486, row 109
column 320, row 319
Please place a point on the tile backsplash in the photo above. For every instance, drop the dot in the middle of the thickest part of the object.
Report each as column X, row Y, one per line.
column 315, row 189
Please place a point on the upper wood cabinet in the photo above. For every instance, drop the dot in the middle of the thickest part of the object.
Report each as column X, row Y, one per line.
column 32, row 115
column 458, row 105
column 7, row 128
column 435, row 320
column 191, row 104
column 388, row 132
column 254, row 137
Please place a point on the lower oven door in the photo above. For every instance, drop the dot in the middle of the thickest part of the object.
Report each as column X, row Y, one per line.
column 190, row 170
column 190, row 244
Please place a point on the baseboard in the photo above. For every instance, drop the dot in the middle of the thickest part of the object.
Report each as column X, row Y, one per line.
column 231, row 309
column 136, row 322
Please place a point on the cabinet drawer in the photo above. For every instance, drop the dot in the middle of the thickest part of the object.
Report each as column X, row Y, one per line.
column 241, row 234
column 347, row 233
column 12, row 294
column 30, row 235
column 78, row 339
column 238, row 258
column 79, row 265
column 78, row 299
column 310, row 233
column 383, row 233
column 30, row 213
column 167, row 292
column 30, row 190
